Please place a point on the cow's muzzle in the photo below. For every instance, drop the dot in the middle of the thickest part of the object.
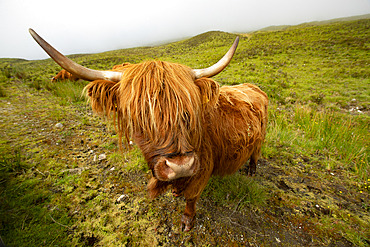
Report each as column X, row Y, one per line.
column 174, row 167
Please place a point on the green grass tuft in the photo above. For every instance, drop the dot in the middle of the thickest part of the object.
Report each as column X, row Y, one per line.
column 336, row 135
column 237, row 191
column 68, row 91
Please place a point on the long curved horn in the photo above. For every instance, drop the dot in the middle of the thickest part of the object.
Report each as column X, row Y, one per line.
column 219, row 66
column 72, row 67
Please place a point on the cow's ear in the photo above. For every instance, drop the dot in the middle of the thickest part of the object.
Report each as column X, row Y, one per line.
column 209, row 90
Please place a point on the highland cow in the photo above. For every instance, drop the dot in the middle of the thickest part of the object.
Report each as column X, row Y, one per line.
column 64, row 75
column 187, row 126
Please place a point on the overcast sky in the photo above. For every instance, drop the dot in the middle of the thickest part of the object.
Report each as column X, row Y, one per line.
column 90, row 26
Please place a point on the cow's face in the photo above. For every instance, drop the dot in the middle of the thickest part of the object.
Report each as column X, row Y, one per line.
column 163, row 107
column 175, row 153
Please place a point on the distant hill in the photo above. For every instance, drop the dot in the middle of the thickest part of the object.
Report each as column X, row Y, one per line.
column 316, row 23
column 12, row 60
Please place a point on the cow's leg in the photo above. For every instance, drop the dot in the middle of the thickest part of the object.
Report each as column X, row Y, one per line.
column 188, row 218
column 192, row 192
column 253, row 163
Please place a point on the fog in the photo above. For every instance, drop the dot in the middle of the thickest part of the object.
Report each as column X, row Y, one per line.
column 81, row 26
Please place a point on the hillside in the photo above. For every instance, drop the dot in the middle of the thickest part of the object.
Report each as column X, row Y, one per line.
column 316, row 23
column 64, row 182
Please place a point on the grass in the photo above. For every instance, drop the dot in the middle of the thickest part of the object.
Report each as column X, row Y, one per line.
column 338, row 137
column 236, row 191
column 25, row 208
column 67, row 90
column 317, row 80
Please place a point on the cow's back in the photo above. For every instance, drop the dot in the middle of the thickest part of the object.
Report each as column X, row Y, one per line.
column 237, row 127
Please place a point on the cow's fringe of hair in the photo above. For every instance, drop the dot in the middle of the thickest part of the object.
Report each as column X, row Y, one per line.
column 157, row 99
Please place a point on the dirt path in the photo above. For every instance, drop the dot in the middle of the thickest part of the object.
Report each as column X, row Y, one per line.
column 300, row 192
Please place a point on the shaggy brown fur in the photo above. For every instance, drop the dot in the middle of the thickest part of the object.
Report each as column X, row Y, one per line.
column 174, row 118
column 157, row 100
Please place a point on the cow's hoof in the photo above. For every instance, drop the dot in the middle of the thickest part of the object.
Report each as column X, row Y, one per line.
column 187, row 223
column 251, row 170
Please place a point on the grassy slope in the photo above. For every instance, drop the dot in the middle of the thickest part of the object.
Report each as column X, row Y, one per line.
column 312, row 181
column 316, row 23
